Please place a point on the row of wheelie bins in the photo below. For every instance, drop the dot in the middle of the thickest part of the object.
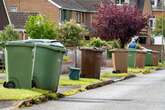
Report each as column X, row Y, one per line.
column 33, row 63
column 141, row 58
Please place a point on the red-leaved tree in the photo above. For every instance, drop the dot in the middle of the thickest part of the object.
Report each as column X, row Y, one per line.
column 118, row 22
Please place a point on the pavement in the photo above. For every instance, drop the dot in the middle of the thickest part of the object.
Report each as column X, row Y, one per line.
column 2, row 76
column 145, row 92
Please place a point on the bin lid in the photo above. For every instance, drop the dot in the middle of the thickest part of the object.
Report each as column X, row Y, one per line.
column 17, row 43
column 47, row 43
column 147, row 50
column 154, row 51
column 92, row 49
column 51, row 46
column 40, row 41
column 132, row 50
column 119, row 50
column 141, row 51
column 52, row 42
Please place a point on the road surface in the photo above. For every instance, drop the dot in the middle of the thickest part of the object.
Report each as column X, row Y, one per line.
column 145, row 92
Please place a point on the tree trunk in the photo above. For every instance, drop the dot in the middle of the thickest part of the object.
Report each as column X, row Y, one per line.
column 75, row 58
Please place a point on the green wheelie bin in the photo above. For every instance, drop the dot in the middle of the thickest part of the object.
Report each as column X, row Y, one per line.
column 132, row 57
column 148, row 59
column 18, row 61
column 48, row 57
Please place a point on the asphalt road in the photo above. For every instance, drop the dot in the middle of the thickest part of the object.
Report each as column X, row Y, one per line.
column 146, row 92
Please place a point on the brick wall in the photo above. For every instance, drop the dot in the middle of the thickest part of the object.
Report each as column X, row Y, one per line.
column 42, row 6
column 158, row 13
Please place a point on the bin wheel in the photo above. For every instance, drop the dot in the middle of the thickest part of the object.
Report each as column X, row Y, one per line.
column 4, row 84
column 117, row 71
column 10, row 84
column 33, row 84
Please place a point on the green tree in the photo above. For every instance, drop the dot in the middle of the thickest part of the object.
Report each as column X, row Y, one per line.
column 9, row 34
column 160, row 26
column 39, row 27
column 71, row 33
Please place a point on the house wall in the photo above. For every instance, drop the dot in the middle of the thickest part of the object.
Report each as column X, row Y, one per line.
column 44, row 7
column 158, row 13
column 147, row 8
column 3, row 16
column 85, row 18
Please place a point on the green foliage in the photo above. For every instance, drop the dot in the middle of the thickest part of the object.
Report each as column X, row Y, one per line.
column 160, row 26
column 97, row 42
column 66, row 59
column 9, row 34
column 72, row 33
column 39, row 27
column 113, row 44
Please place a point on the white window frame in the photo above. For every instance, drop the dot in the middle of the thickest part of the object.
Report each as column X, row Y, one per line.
column 78, row 17
column 153, row 20
column 120, row 2
column 13, row 8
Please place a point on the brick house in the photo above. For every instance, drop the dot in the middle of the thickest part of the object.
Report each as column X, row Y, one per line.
column 82, row 11
column 18, row 19
column 158, row 9
column 57, row 10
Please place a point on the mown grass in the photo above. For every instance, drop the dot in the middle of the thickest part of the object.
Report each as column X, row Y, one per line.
column 2, row 81
column 139, row 70
column 66, row 59
column 20, row 94
column 65, row 81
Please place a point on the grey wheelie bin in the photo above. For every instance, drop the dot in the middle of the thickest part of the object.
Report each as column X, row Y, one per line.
column 18, row 60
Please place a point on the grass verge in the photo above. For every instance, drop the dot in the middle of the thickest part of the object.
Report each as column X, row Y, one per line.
column 20, row 94
column 65, row 81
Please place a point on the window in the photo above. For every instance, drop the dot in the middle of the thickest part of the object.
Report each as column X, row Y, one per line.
column 142, row 40
column 78, row 17
column 13, row 8
column 152, row 22
column 83, row 17
column 65, row 15
column 156, row 3
column 119, row 1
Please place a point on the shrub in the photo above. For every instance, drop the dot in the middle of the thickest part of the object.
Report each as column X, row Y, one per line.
column 9, row 34
column 97, row 42
column 71, row 33
column 39, row 27
column 160, row 26
column 113, row 44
